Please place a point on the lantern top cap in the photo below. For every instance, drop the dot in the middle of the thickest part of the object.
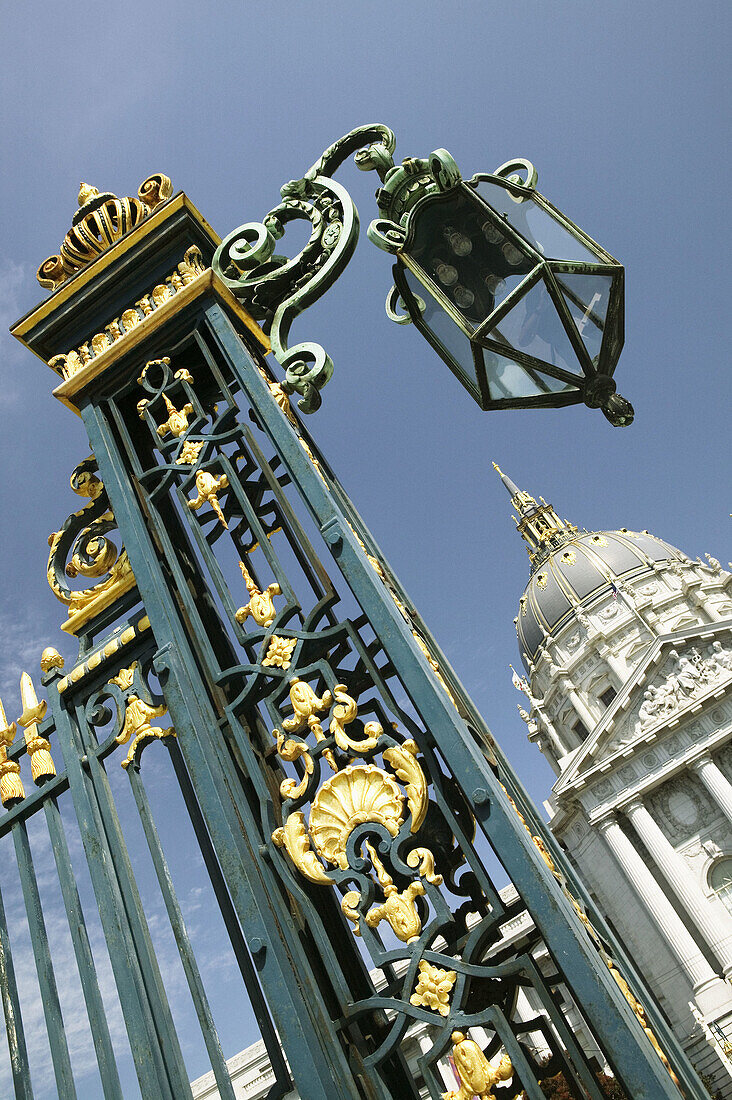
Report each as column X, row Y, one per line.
column 101, row 220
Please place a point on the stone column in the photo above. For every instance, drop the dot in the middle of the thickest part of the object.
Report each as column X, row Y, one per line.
column 715, row 781
column 616, row 664
column 708, row 986
column 708, row 914
column 580, row 707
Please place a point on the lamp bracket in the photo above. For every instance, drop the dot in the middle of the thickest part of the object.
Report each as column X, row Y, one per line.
column 276, row 288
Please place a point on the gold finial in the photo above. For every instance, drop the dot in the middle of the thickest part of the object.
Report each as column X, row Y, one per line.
column 497, row 468
column 11, row 786
column 86, row 192
column 51, row 658
column 38, row 748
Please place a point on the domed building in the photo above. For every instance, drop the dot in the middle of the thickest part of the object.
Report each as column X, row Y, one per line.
column 627, row 646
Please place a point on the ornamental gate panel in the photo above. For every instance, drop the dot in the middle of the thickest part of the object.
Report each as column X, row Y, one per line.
column 347, row 799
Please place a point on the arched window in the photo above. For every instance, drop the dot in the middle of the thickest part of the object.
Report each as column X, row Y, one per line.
column 720, row 880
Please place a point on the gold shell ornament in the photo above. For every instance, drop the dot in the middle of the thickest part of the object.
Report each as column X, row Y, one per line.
column 350, row 798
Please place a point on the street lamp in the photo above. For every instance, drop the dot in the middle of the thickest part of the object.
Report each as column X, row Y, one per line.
column 523, row 306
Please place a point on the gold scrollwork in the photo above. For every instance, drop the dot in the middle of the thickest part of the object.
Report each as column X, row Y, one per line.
column 344, row 713
column 92, row 556
column 281, row 398
column 433, row 664
column 356, row 795
column 400, row 911
column 306, row 706
column 291, row 750
column 353, row 796
column 640, row 1013
column 403, row 759
column 293, row 836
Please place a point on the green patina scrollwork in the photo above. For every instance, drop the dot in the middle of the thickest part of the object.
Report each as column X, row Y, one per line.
column 276, row 288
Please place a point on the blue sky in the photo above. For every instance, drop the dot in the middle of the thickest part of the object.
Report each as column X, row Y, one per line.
column 618, row 106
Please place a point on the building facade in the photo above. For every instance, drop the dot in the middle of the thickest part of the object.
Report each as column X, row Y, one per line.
column 627, row 646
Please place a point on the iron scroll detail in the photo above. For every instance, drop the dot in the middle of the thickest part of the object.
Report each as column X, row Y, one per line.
column 276, row 288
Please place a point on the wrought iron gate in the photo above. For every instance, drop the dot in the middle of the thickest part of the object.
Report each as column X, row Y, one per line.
column 347, row 799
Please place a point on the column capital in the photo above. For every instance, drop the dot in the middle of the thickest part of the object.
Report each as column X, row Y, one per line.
column 606, row 821
column 633, row 806
column 701, row 761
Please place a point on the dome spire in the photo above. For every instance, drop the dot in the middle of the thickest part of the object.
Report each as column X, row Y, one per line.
column 538, row 524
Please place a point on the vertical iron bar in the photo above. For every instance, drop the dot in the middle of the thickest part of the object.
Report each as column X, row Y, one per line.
column 229, row 917
column 185, row 948
column 126, row 964
column 13, row 1019
column 44, row 965
column 84, row 959
column 137, row 924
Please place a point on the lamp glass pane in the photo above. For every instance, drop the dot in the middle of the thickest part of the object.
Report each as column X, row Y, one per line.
column 507, row 379
column 536, row 224
column 588, row 298
column 442, row 326
column 467, row 255
column 533, row 326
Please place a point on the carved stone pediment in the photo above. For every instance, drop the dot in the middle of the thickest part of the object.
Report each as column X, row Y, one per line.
column 659, row 694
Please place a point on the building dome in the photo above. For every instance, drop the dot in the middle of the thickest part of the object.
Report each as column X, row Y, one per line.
column 571, row 568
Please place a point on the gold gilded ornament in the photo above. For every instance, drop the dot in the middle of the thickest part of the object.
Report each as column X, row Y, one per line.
column 434, row 988
column 402, row 759
column 306, row 706
column 189, row 453
column 261, row 605
column 279, row 652
column 101, row 220
column 281, row 398
column 314, row 460
column 293, row 836
column 344, row 713
column 51, row 658
column 422, row 860
column 400, row 911
column 640, row 1012
column 352, row 797
column 433, row 664
column 164, row 359
column 177, row 422
column 209, row 487
column 37, row 747
column 138, row 715
column 11, row 785
column 125, row 677
column 291, row 750
column 477, row 1076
